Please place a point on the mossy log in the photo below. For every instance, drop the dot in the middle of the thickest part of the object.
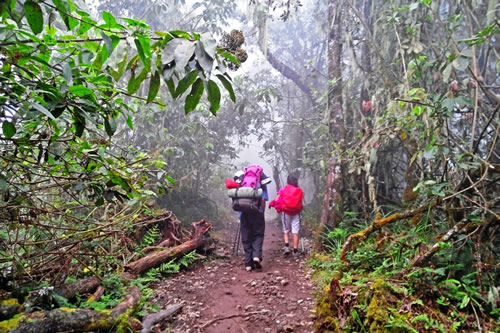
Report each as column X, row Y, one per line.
column 378, row 224
column 8, row 308
column 72, row 320
column 157, row 258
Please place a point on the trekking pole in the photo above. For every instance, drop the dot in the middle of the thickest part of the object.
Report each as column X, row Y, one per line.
column 236, row 243
column 233, row 250
column 302, row 249
column 238, row 240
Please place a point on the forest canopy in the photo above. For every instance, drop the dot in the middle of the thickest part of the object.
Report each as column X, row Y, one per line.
column 119, row 120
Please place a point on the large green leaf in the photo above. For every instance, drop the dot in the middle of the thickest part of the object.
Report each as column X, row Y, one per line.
column 145, row 44
column 154, row 86
column 34, row 16
column 194, row 96
column 64, row 10
column 110, row 22
column 8, row 129
column 185, row 83
column 171, row 87
column 110, row 125
column 213, row 97
column 228, row 86
column 135, row 81
column 80, row 90
column 140, row 51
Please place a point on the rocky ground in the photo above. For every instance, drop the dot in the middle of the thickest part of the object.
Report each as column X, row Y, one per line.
column 218, row 295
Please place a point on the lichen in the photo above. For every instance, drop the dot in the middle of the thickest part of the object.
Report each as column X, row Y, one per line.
column 10, row 301
column 8, row 325
column 67, row 309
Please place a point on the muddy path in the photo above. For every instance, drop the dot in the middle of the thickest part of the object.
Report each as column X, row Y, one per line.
column 218, row 295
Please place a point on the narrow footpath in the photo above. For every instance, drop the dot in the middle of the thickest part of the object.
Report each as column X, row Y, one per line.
column 220, row 296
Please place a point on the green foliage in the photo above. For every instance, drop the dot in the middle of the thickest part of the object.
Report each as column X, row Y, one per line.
column 150, row 238
column 69, row 85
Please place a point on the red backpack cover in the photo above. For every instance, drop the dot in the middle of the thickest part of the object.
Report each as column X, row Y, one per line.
column 291, row 199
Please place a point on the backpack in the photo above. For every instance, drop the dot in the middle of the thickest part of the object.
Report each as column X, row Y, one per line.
column 291, row 199
column 251, row 179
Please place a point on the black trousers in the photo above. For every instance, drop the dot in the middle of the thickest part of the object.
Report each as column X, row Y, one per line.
column 252, row 227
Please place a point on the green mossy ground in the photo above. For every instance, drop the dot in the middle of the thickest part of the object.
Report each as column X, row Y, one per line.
column 369, row 302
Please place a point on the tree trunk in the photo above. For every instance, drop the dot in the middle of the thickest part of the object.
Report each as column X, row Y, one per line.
column 331, row 202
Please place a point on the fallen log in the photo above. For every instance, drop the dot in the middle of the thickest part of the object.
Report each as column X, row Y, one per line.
column 154, row 318
column 157, row 258
column 72, row 320
column 378, row 224
column 84, row 286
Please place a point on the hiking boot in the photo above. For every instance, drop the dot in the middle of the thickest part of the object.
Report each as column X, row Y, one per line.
column 248, row 268
column 286, row 251
column 256, row 263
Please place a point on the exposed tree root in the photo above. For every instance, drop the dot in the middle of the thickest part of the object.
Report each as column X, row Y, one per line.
column 378, row 224
column 154, row 318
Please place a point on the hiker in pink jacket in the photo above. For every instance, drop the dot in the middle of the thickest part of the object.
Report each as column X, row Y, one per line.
column 289, row 203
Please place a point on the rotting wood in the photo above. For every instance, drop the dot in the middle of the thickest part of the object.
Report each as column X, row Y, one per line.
column 154, row 318
column 72, row 320
column 244, row 315
column 157, row 258
column 378, row 224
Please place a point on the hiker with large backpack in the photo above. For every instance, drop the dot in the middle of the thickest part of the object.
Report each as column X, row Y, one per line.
column 249, row 198
column 289, row 203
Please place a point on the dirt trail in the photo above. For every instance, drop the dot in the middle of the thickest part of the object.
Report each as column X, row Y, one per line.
column 276, row 299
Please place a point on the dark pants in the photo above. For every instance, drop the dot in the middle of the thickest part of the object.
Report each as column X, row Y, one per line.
column 252, row 235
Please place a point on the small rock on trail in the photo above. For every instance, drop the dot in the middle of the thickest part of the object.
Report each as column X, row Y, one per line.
column 220, row 296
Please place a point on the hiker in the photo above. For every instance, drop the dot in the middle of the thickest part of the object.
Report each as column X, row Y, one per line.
column 288, row 202
column 252, row 207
